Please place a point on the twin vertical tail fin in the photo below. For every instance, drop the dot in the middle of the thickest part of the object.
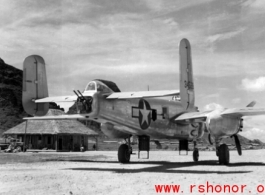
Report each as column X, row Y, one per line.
column 187, row 94
column 34, row 85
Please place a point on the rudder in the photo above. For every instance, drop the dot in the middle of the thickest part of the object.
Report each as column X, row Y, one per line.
column 187, row 94
column 34, row 85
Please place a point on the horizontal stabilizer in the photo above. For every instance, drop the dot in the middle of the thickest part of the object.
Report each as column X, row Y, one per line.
column 63, row 117
column 143, row 94
column 57, row 99
column 247, row 111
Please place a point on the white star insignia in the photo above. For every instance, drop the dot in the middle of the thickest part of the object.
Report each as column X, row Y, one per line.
column 145, row 114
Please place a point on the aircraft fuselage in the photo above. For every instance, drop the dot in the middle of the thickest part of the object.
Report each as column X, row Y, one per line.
column 149, row 116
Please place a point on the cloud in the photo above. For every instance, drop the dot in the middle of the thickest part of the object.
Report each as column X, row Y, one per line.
column 254, row 133
column 236, row 100
column 212, row 106
column 253, row 128
column 214, row 95
column 255, row 5
column 224, row 36
column 254, row 85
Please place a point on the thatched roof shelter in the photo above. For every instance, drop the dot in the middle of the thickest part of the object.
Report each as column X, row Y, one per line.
column 52, row 126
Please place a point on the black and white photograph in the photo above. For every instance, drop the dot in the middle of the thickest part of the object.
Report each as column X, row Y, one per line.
column 132, row 97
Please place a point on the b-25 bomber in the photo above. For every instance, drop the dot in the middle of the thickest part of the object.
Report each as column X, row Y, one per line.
column 144, row 113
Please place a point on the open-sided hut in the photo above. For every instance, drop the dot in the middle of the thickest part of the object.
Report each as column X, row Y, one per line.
column 59, row 135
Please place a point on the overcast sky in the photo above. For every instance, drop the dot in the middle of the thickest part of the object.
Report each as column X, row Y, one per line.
column 135, row 44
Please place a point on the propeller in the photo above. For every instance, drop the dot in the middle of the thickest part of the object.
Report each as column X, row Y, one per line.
column 210, row 139
column 238, row 145
column 237, row 142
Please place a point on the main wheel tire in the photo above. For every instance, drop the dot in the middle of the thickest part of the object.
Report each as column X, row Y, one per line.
column 195, row 155
column 224, row 156
column 124, row 153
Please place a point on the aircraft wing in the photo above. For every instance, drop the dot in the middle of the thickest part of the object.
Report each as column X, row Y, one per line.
column 247, row 111
column 143, row 94
column 194, row 116
column 235, row 112
column 57, row 99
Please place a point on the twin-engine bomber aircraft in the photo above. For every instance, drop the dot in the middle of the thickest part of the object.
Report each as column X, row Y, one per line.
column 144, row 114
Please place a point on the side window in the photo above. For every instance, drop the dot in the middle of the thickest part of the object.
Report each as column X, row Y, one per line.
column 99, row 87
column 105, row 89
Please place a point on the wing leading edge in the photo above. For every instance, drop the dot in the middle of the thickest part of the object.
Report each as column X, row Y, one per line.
column 119, row 95
column 193, row 116
column 143, row 94
column 232, row 112
column 247, row 111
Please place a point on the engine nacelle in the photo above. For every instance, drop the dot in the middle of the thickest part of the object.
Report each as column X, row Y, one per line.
column 221, row 126
column 113, row 131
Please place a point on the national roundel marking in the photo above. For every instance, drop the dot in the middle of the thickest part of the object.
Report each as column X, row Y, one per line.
column 145, row 113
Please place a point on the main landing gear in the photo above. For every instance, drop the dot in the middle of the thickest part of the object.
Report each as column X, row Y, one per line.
column 125, row 151
column 222, row 151
column 223, row 154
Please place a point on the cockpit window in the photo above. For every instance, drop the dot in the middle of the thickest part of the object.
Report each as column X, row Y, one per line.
column 91, row 87
column 97, row 86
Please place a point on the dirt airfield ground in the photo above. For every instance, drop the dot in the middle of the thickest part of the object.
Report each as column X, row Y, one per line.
column 98, row 172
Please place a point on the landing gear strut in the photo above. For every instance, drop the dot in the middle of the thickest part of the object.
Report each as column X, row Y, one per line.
column 125, row 151
column 223, row 154
column 195, row 153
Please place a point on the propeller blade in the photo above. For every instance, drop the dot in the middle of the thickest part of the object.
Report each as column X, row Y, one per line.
column 238, row 146
column 210, row 139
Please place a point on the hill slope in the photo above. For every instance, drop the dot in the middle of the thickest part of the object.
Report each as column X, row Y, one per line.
column 11, row 109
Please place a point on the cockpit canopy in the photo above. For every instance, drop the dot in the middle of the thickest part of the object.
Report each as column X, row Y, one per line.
column 97, row 86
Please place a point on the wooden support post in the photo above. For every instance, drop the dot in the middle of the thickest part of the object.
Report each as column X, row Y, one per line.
column 96, row 143
column 24, row 144
column 56, row 142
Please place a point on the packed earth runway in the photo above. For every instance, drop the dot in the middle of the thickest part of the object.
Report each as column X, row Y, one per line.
column 99, row 172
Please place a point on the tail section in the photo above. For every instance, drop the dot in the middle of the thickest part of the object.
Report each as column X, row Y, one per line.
column 187, row 94
column 34, row 85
